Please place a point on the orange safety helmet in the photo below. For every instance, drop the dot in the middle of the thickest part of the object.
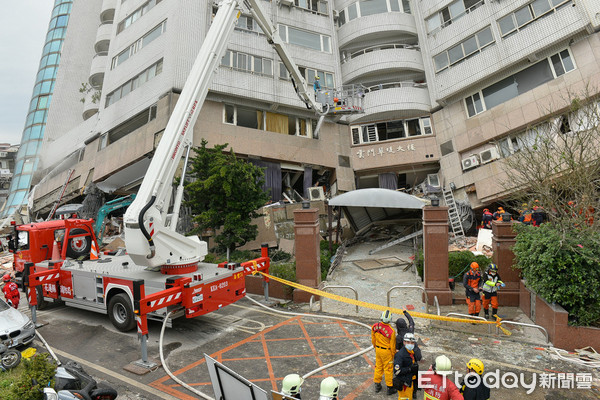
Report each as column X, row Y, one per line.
column 485, row 209
column 6, row 277
column 474, row 265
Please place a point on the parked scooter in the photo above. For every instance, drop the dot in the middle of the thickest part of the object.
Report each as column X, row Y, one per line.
column 9, row 358
column 71, row 382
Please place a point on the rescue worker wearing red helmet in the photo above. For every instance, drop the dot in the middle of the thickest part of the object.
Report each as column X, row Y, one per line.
column 472, row 282
column 490, row 283
column 11, row 291
column 436, row 382
column 473, row 386
column 383, row 338
column 486, row 219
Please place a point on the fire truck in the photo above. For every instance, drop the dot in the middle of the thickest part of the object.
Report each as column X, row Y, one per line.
column 161, row 272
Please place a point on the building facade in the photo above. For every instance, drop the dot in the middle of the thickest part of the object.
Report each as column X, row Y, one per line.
column 448, row 88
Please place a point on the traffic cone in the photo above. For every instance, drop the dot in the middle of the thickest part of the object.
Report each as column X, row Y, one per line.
column 94, row 251
column 55, row 251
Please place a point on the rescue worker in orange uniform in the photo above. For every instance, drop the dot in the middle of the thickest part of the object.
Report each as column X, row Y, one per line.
column 11, row 291
column 498, row 214
column 383, row 338
column 491, row 282
column 437, row 383
column 472, row 282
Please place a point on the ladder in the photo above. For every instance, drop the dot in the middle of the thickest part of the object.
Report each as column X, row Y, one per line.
column 60, row 194
column 453, row 216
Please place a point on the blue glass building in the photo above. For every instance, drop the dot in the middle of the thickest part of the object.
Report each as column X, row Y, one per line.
column 27, row 158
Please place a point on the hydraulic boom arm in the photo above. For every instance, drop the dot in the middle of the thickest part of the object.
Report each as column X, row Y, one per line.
column 148, row 238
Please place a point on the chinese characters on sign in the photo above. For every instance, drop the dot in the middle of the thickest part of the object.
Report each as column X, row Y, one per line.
column 361, row 153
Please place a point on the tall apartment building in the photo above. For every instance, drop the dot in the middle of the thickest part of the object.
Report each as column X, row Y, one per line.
column 444, row 83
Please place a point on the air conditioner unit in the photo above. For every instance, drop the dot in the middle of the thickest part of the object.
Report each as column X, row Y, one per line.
column 3, row 154
column 288, row 3
column 489, row 155
column 433, row 180
column 470, row 162
column 316, row 193
column 336, row 14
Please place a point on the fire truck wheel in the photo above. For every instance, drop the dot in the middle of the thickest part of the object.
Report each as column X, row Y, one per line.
column 41, row 303
column 79, row 246
column 120, row 312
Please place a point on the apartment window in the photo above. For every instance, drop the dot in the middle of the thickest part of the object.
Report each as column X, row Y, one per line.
column 127, row 127
column 268, row 121
column 519, row 83
column 451, row 13
column 309, row 74
column 463, row 50
column 520, row 18
column 372, row 7
column 310, row 40
column 134, row 83
column 135, row 15
column 390, row 130
column 248, row 63
column 314, row 6
column 139, row 44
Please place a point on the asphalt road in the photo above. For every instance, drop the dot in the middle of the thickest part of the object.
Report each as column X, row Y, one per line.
column 264, row 346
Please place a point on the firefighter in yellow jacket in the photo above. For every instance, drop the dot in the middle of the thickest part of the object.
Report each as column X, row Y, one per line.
column 383, row 338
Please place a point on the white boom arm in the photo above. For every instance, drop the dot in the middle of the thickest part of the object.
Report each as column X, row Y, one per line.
column 148, row 241
column 148, row 238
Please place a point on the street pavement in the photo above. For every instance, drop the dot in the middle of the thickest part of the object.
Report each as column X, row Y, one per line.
column 264, row 345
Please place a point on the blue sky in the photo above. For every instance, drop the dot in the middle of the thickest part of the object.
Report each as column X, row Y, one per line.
column 23, row 27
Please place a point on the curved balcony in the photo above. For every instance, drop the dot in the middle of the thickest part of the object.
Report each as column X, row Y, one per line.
column 91, row 103
column 394, row 100
column 107, row 13
column 378, row 28
column 99, row 63
column 377, row 60
column 103, row 36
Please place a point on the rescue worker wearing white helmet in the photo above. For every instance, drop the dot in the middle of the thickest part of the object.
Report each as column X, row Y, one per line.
column 291, row 385
column 436, row 382
column 406, row 367
column 329, row 389
column 383, row 338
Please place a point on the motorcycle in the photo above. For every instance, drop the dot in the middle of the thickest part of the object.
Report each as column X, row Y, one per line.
column 71, row 382
column 9, row 358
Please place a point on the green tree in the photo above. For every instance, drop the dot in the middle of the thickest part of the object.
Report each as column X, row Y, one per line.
column 556, row 164
column 224, row 194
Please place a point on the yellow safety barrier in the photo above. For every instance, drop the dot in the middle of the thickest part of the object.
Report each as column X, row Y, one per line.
column 379, row 307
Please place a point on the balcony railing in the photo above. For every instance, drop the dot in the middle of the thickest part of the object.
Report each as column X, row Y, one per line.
column 346, row 58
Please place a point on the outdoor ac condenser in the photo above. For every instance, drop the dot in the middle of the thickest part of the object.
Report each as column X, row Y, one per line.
column 489, row 155
column 316, row 193
column 470, row 162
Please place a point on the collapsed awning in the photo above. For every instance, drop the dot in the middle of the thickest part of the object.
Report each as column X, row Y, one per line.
column 365, row 206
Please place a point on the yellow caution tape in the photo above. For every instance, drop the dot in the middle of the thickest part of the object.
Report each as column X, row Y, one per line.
column 379, row 307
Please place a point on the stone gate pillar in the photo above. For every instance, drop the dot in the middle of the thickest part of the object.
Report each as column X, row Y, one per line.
column 435, row 253
column 503, row 239
column 308, row 254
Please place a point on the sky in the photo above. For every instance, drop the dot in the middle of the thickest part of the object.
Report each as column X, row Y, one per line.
column 23, row 27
